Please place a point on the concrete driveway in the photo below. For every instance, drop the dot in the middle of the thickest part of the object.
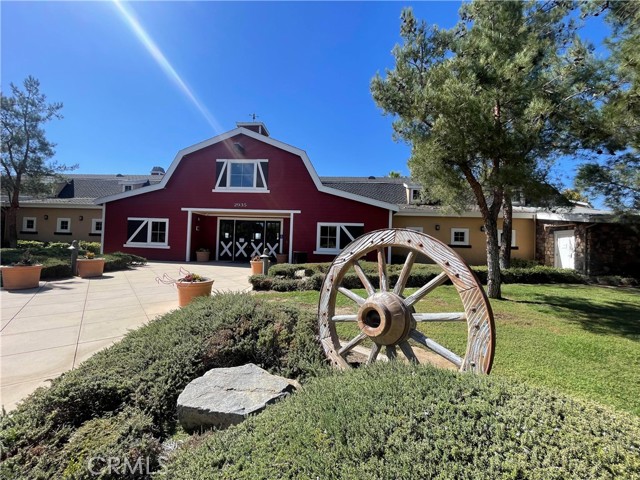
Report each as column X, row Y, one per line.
column 52, row 329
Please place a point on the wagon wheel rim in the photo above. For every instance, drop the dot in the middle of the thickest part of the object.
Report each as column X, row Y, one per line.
column 388, row 319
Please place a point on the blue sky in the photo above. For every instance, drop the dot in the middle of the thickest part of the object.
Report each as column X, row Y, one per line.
column 304, row 68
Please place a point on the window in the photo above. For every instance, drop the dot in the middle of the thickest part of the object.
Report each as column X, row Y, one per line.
column 242, row 175
column 29, row 224
column 63, row 225
column 147, row 232
column 127, row 188
column 416, row 193
column 333, row 237
column 96, row 225
column 459, row 236
column 513, row 238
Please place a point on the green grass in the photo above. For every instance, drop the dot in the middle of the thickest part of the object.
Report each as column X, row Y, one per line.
column 578, row 339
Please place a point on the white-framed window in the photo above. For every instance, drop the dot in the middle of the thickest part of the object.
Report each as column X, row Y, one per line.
column 29, row 224
column 96, row 225
column 459, row 236
column 242, row 176
column 513, row 238
column 416, row 194
column 147, row 232
column 127, row 188
column 333, row 237
column 63, row 225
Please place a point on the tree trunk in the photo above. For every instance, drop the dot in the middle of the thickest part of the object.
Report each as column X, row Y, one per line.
column 493, row 263
column 507, row 225
column 11, row 221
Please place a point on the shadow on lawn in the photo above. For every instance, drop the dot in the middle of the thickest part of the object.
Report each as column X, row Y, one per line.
column 612, row 317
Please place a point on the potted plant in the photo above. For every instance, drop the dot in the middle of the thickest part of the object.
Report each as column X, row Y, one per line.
column 202, row 255
column 25, row 273
column 189, row 285
column 89, row 266
column 256, row 265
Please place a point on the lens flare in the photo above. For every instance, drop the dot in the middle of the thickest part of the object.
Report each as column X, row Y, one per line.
column 164, row 64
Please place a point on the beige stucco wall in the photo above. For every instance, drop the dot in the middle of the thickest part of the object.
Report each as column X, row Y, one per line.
column 46, row 228
column 477, row 254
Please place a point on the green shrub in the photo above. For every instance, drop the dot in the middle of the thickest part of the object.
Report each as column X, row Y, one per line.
column 55, row 268
column 283, row 278
column 400, row 421
column 144, row 374
column 121, row 261
column 25, row 244
column 93, row 247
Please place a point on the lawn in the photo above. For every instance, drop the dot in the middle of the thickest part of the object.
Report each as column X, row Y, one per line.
column 579, row 339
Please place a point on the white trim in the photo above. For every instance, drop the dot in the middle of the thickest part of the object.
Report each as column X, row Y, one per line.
column 238, row 211
column 226, row 172
column 291, row 237
column 93, row 225
column 59, row 228
column 148, row 244
column 104, row 208
column 513, row 238
column 187, row 255
column 24, row 224
column 458, row 230
column 80, row 206
column 268, row 140
column 339, row 230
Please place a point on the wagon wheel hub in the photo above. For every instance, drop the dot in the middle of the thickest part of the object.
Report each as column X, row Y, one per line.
column 385, row 319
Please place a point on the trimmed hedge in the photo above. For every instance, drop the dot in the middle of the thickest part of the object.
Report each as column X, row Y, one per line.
column 399, row 421
column 56, row 260
column 122, row 400
column 284, row 278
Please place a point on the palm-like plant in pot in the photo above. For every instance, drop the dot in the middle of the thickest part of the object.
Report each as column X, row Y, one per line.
column 23, row 274
column 189, row 285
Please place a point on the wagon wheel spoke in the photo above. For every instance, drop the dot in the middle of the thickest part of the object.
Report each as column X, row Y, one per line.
column 353, row 296
column 439, row 317
column 344, row 318
column 408, row 351
column 404, row 274
column 364, row 279
column 373, row 354
column 424, row 290
column 436, row 347
column 352, row 343
column 382, row 271
column 391, row 352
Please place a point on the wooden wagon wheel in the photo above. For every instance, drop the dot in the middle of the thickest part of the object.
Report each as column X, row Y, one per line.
column 388, row 319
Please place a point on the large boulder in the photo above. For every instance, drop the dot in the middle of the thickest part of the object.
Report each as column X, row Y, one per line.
column 226, row 396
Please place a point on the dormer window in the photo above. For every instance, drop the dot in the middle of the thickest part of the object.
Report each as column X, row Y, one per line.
column 415, row 195
column 242, row 176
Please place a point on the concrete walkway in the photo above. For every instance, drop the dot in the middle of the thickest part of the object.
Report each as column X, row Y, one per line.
column 52, row 329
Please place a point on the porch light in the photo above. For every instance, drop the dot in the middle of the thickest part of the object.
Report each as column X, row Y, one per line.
column 482, row 228
column 81, row 218
column 437, row 227
column 46, row 217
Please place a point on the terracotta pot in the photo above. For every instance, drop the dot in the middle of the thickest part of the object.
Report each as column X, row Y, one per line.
column 90, row 267
column 282, row 257
column 187, row 291
column 202, row 256
column 18, row 277
column 256, row 267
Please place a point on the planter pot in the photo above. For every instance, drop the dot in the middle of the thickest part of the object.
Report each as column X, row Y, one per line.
column 202, row 256
column 18, row 277
column 93, row 267
column 187, row 291
column 256, row 268
column 282, row 257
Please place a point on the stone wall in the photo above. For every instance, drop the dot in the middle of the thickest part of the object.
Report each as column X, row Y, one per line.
column 601, row 248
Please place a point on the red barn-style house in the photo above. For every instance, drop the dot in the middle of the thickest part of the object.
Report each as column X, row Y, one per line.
column 238, row 194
